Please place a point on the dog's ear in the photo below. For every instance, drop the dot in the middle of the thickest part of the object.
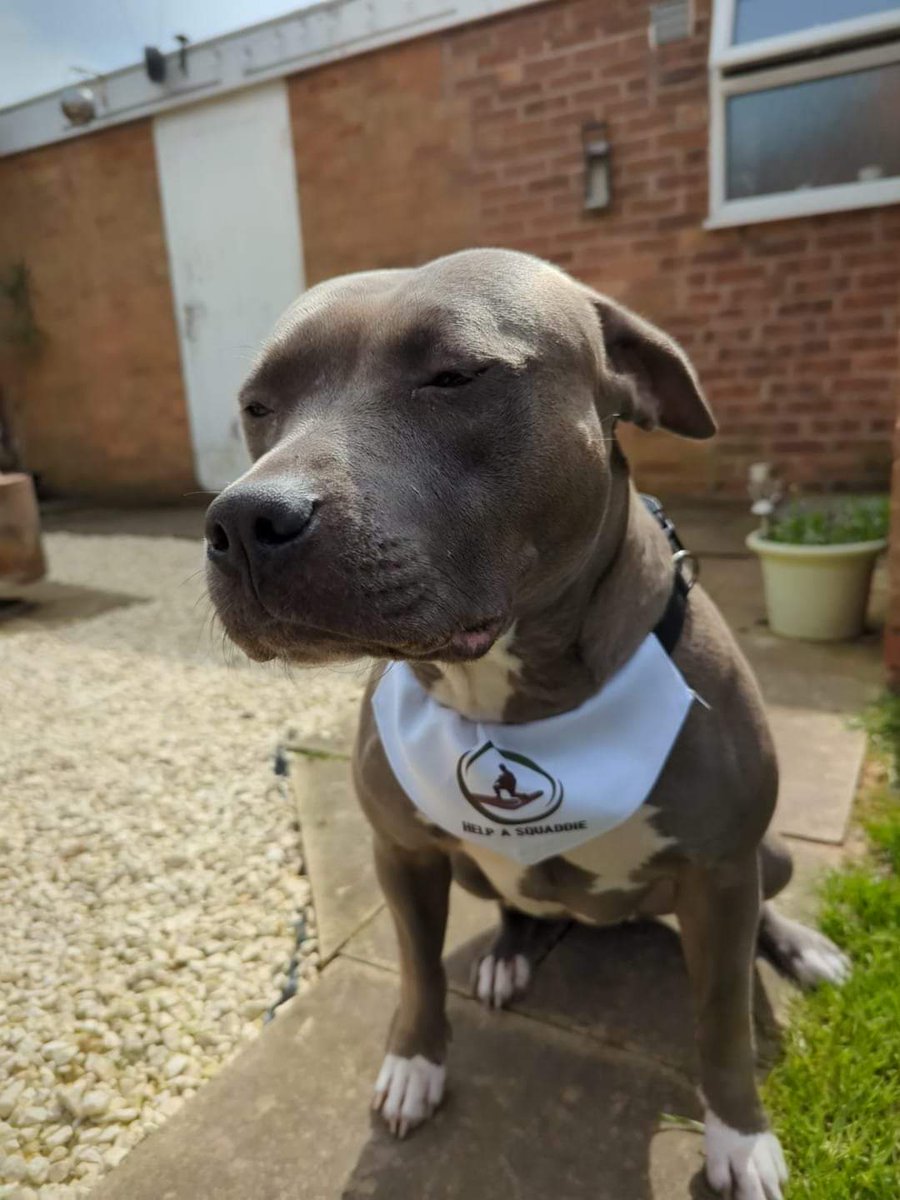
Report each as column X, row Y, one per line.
column 656, row 384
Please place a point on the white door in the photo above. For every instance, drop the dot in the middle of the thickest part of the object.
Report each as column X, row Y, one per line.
column 232, row 217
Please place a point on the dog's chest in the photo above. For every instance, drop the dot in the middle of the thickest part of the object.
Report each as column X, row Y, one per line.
column 598, row 881
column 480, row 690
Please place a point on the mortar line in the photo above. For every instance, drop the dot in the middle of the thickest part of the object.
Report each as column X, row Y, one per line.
column 339, row 949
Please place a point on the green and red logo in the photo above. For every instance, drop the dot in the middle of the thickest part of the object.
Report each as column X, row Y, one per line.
column 507, row 787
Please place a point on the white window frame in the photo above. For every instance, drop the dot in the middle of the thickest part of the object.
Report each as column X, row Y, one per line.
column 725, row 58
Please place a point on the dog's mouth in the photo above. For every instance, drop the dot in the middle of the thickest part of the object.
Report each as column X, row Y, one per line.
column 305, row 644
column 474, row 641
column 465, row 644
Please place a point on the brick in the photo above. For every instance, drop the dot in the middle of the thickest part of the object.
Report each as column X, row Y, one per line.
column 877, row 279
column 473, row 136
column 101, row 409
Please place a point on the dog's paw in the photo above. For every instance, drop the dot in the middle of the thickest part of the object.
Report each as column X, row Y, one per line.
column 805, row 955
column 820, row 961
column 407, row 1091
column 499, row 980
column 743, row 1166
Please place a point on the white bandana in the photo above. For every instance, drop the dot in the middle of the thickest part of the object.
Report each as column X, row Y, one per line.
column 534, row 790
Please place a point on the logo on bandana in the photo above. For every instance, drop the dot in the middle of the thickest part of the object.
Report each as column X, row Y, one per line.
column 507, row 787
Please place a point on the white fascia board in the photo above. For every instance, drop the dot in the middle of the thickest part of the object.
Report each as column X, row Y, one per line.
column 299, row 41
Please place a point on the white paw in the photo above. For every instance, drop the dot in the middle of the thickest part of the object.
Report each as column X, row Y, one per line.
column 407, row 1091
column 743, row 1166
column 822, row 963
column 498, row 980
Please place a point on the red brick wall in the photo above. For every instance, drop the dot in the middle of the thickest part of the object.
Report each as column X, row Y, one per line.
column 383, row 161
column 892, row 625
column 474, row 137
column 100, row 408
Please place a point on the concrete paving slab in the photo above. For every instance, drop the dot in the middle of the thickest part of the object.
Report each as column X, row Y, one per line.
column 533, row 1111
column 810, row 688
column 832, row 676
column 337, row 846
column 624, row 985
column 469, row 931
column 812, row 861
column 336, row 740
column 820, row 757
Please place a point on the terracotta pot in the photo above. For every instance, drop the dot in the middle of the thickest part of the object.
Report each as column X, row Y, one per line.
column 21, row 555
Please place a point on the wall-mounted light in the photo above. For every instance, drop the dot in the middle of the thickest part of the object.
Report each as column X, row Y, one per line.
column 82, row 103
column 597, row 167
column 79, row 105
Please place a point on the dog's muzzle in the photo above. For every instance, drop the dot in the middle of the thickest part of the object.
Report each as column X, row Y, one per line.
column 253, row 526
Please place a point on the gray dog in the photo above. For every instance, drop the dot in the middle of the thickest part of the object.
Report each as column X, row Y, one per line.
column 437, row 482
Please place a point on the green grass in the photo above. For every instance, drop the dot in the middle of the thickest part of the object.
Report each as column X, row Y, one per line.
column 835, row 1096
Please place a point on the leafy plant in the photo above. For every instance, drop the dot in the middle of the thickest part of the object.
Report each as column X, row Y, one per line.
column 17, row 322
column 845, row 521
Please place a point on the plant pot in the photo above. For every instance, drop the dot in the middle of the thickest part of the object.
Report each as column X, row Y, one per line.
column 819, row 593
column 21, row 556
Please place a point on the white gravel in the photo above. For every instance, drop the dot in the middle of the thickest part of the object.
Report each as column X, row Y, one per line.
column 150, row 866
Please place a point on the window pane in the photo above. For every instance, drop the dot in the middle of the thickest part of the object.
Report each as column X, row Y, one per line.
column 755, row 19
column 807, row 135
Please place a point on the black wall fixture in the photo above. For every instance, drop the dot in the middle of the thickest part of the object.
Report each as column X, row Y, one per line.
column 154, row 64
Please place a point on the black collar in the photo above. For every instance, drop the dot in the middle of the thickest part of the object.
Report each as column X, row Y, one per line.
column 668, row 628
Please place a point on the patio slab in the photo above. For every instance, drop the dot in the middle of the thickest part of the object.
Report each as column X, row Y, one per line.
column 601, row 1048
column 624, row 986
column 337, row 848
column 533, row 1111
column 820, row 757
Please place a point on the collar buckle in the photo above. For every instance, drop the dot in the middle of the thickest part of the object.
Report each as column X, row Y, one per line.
column 687, row 567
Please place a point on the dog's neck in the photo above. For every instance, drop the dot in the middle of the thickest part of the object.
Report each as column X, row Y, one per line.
column 553, row 658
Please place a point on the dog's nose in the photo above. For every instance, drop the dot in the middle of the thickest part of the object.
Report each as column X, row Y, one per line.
column 246, row 522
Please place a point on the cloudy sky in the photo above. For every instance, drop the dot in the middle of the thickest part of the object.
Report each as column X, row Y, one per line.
column 41, row 40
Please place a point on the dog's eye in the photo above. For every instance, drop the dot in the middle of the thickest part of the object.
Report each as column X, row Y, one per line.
column 255, row 409
column 449, row 379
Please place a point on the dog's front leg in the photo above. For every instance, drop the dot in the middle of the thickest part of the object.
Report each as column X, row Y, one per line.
column 410, row 1084
column 718, row 911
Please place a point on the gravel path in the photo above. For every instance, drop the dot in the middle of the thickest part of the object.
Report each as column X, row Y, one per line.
column 150, row 867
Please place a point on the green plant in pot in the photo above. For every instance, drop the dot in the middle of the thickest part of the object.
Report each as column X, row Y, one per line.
column 817, row 561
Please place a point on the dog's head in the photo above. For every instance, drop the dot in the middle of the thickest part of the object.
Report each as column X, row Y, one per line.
column 432, row 454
